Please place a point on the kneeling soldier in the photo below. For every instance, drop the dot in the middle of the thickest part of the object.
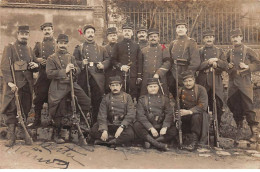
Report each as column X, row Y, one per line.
column 58, row 67
column 154, row 117
column 115, row 117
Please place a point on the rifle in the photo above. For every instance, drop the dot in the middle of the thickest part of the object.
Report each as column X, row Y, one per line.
column 82, row 141
column 125, row 77
column 160, row 85
column 177, row 83
column 20, row 114
column 89, row 115
column 214, row 111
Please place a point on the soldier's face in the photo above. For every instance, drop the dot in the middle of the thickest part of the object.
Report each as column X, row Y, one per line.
column 153, row 88
column 142, row 35
column 181, row 30
column 112, row 38
column 62, row 45
column 23, row 36
column 189, row 82
column 47, row 31
column 154, row 38
column 127, row 33
column 236, row 40
column 209, row 40
column 89, row 34
column 115, row 88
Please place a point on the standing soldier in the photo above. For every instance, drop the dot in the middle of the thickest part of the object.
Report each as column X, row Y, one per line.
column 58, row 67
column 212, row 56
column 142, row 37
column 242, row 61
column 156, row 62
column 95, row 58
column 155, row 115
column 184, row 52
column 112, row 40
column 127, row 58
column 23, row 60
column 116, row 115
column 42, row 51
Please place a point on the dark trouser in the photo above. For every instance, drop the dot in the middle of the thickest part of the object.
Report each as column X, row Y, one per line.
column 126, row 136
column 219, row 105
column 25, row 102
column 192, row 123
column 172, row 85
column 241, row 105
column 142, row 132
column 41, row 89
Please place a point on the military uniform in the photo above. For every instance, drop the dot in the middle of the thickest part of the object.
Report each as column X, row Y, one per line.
column 240, row 90
column 115, row 110
column 142, row 43
column 94, row 53
column 42, row 50
column 127, row 52
column 205, row 77
column 185, row 53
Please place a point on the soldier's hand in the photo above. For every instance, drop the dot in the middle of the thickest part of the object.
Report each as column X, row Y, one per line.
column 214, row 65
column 163, row 131
column 184, row 112
column 104, row 136
column 42, row 61
column 156, row 76
column 70, row 67
column 243, row 65
column 230, row 65
column 211, row 60
column 12, row 86
column 85, row 61
column 125, row 68
column 100, row 65
column 138, row 81
column 154, row 132
column 33, row 65
column 119, row 131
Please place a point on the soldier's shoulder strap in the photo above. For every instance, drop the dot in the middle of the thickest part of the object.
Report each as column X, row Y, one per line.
column 218, row 52
column 196, row 90
column 244, row 52
column 81, row 49
column 125, row 97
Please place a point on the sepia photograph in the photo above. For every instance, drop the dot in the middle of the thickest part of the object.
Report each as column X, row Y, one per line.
column 129, row 84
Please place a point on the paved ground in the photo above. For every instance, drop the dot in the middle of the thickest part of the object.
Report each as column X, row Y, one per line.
column 51, row 155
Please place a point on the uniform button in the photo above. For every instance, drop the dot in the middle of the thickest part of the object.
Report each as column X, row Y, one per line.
column 42, row 51
column 21, row 55
column 112, row 107
column 192, row 95
column 191, row 90
column 204, row 54
column 241, row 54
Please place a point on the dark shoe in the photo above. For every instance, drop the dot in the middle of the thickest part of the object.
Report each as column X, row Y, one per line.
column 100, row 142
column 156, row 144
column 57, row 137
column 255, row 137
column 28, row 141
column 37, row 120
column 160, row 139
column 147, row 145
column 190, row 147
column 11, row 135
column 193, row 144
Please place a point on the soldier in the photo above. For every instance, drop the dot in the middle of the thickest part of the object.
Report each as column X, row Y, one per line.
column 242, row 61
column 58, row 67
column 142, row 37
column 156, row 62
column 24, row 63
column 97, row 60
column 184, row 52
column 42, row 51
column 127, row 58
column 212, row 56
column 154, row 116
column 116, row 115
column 193, row 106
column 112, row 40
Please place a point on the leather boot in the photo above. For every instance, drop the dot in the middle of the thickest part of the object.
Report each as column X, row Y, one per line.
column 156, row 144
column 57, row 137
column 37, row 120
column 255, row 137
column 193, row 144
column 147, row 145
column 160, row 139
column 11, row 135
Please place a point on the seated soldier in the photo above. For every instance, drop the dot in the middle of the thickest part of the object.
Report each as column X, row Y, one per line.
column 155, row 117
column 193, row 106
column 115, row 117
column 58, row 67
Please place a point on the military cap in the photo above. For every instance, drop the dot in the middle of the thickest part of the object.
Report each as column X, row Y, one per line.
column 142, row 28
column 236, row 32
column 87, row 26
column 152, row 81
column 46, row 25
column 115, row 79
column 187, row 74
column 111, row 30
column 127, row 26
column 153, row 30
column 23, row 28
column 181, row 22
column 208, row 33
column 63, row 37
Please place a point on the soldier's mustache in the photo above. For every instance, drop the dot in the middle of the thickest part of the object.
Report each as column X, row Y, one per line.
column 115, row 90
column 153, row 40
column 47, row 33
column 90, row 36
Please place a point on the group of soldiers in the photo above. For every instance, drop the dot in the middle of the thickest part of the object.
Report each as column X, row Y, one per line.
column 126, row 85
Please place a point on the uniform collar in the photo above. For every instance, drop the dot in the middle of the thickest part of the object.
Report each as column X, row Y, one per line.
column 112, row 44
column 238, row 46
column 154, row 45
column 21, row 43
column 127, row 40
column 62, row 51
column 48, row 39
column 209, row 46
column 182, row 37
column 90, row 42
